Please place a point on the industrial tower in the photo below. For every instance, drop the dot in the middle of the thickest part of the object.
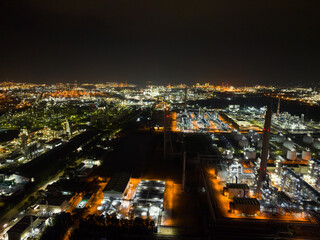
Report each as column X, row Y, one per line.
column 278, row 108
column 265, row 150
column 185, row 97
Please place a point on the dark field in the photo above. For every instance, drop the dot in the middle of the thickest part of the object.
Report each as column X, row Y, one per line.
column 8, row 135
column 141, row 154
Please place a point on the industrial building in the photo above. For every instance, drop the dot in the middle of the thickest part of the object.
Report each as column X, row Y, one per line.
column 249, row 206
column 54, row 203
column 148, row 200
column 148, row 190
column 236, row 190
column 85, row 199
column 203, row 120
column 116, row 185
column 27, row 227
column 11, row 184
column 278, row 168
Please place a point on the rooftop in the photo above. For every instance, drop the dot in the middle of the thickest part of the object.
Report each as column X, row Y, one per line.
column 23, row 224
column 245, row 201
column 237, row 185
column 55, row 200
column 118, row 182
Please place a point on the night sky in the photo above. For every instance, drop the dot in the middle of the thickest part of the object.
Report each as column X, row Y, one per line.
column 235, row 42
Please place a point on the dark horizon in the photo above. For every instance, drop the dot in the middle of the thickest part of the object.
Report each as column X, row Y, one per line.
column 239, row 43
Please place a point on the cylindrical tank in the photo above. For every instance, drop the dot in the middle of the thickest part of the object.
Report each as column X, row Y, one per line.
column 307, row 139
column 292, row 154
column 256, row 137
column 238, row 136
column 260, row 142
column 316, row 144
column 250, row 133
column 288, row 143
column 279, row 138
column 250, row 154
column 229, row 154
column 306, row 155
column 243, row 142
column 234, row 133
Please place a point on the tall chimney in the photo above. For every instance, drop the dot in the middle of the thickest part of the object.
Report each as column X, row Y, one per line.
column 265, row 148
column 278, row 108
column 185, row 97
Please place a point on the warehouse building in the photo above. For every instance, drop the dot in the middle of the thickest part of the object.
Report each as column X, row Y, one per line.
column 236, row 190
column 248, row 206
column 116, row 186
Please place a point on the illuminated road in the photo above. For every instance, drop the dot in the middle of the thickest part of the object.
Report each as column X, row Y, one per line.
column 168, row 203
column 130, row 192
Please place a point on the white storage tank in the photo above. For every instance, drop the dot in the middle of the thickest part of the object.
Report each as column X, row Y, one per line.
column 306, row 154
column 307, row 139
column 316, row 144
column 279, row 138
column 288, row 143
column 244, row 142
column 292, row 154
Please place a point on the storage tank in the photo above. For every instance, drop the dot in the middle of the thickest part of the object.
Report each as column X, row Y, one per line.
column 306, row 154
column 279, row 138
column 307, row 139
column 238, row 136
column 244, row 142
column 256, row 137
column 229, row 154
column 234, row 133
column 250, row 133
column 250, row 154
column 292, row 154
column 316, row 144
column 260, row 142
column 288, row 143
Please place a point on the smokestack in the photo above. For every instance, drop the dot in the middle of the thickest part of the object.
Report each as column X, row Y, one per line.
column 278, row 108
column 265, row 148
column 185, row 97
